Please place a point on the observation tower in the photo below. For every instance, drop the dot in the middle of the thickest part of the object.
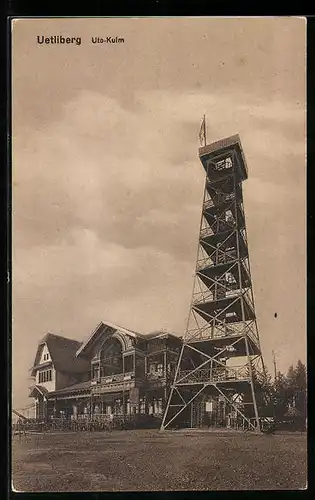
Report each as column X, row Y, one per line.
column 220, row 372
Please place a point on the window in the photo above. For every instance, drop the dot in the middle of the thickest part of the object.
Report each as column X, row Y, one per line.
column 152, row 368
column 95, row 371
column 111, row 357
column 158, row 406
column 118, row 407
column 128, row 407
column 45, row 376
column 142, row 406
column 160, row 368
column 128, row 363
column 224, row 164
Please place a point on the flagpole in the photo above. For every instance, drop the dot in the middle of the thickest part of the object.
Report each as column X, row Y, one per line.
column 202, row 132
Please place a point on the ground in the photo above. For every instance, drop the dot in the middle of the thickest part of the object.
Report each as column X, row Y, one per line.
column 148, row 460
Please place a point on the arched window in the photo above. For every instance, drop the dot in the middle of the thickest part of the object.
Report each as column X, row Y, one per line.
column 111, row 361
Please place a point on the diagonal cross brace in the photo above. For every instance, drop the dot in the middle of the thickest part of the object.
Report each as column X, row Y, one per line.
column 187, row 404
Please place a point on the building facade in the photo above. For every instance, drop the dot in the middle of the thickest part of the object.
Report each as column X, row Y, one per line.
column 116, row 372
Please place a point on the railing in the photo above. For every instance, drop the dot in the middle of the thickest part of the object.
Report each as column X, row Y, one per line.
column 155, row 376
column 203, row 263
column 215, row 375
column 216, row 259
column 209, row 296
column 218, row 226
column 109, row 379
column 219, row 329
column 114, row 360
column 259, row 377
column 206, row 231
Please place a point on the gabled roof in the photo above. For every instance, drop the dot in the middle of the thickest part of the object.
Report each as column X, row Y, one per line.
column 63, row 354
column 159, row 334
column 38, row 389
column 99, row 329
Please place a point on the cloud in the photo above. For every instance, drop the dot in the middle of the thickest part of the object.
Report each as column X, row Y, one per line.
column 131, row 176
column 106, row 209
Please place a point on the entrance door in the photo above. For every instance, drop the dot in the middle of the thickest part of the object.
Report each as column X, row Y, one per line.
column 40, row 408
column 197, row 413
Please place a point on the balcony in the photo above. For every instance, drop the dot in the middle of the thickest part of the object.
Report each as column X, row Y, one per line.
column 225, row 258
column 208, row 375
column 110, row 379
column 113, row 383
column 225, row 309
column 155, row 376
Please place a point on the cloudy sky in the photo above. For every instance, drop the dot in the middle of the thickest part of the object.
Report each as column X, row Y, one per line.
column 107, row 185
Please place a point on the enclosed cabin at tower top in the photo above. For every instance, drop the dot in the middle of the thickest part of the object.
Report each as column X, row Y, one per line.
column 224, row 157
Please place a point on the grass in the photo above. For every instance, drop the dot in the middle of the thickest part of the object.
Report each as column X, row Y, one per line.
column 147, row 460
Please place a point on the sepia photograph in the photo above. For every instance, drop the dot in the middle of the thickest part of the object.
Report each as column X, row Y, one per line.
column 158, row 254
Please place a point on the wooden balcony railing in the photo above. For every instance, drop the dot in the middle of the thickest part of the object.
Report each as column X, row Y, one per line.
column 215, row 375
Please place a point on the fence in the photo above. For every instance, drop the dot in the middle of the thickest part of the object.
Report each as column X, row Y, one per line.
column 96, row 424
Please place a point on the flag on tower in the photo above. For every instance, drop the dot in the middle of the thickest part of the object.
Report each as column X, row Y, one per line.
column 202, row 132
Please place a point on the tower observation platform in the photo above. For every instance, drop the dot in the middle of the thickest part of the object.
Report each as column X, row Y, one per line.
column 220, row 372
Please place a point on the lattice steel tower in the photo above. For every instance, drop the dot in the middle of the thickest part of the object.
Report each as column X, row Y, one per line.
column 220, row 372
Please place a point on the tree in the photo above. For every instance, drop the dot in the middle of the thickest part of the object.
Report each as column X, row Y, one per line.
column 298, row 388
column 289, row 394
column 263, row 390
column 290, row 386
column 280, row 395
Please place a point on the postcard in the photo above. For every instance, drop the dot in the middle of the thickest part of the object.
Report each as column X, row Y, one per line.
column 158, row 254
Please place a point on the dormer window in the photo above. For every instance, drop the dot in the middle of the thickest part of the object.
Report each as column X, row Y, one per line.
column 45, row 376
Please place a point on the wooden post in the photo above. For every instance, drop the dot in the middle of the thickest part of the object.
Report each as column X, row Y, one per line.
column 45, row 409
column 191, row 415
